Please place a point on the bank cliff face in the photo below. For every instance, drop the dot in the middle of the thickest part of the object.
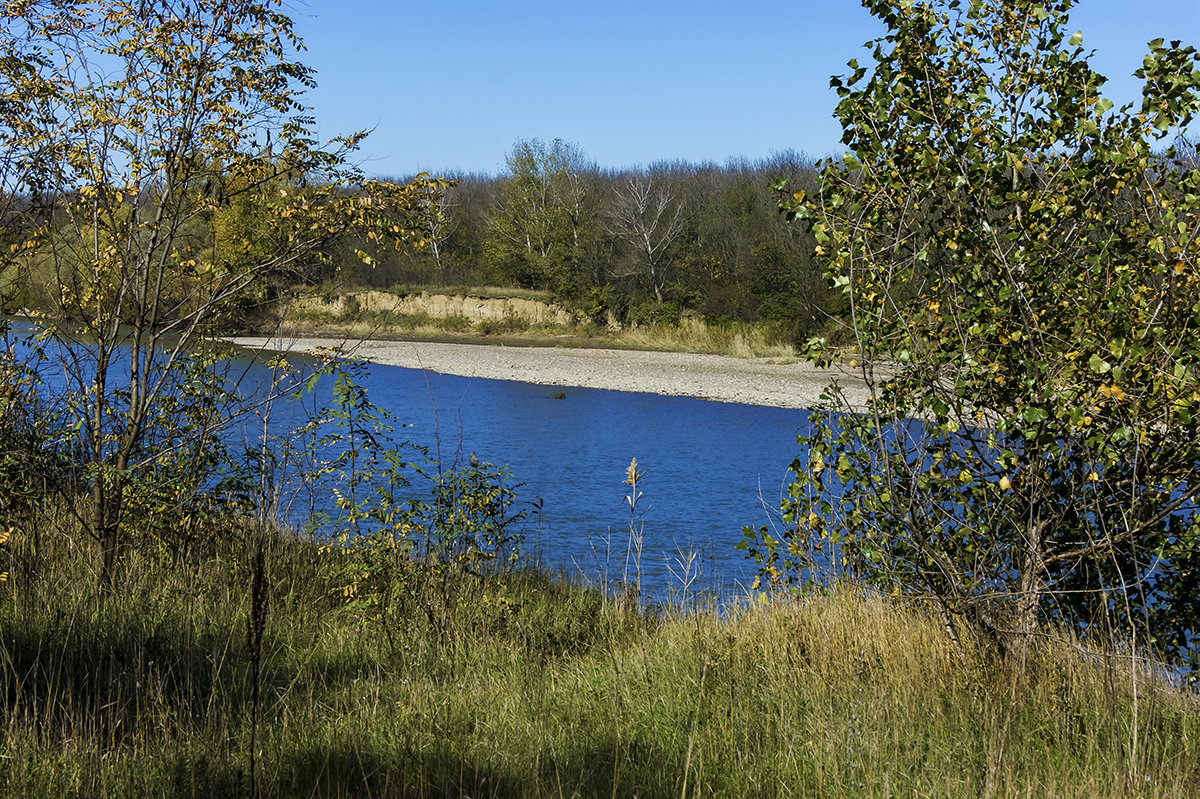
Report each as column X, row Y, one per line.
column 474, row 309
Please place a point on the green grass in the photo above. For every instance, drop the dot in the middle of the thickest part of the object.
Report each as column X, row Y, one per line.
column 526, row 685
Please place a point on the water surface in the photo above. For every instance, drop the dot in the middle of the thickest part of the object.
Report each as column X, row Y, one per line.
column 709, row 468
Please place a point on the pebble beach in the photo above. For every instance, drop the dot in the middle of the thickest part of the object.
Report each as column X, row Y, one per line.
column 718, row 378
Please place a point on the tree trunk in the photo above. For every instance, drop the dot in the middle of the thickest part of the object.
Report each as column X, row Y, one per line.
column 107, row 524
column 108, row 503
column 1029, row 595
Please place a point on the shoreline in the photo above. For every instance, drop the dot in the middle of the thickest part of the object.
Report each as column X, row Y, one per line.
column 717, row 378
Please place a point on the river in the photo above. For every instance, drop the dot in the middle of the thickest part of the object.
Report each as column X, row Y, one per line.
column 709, row 468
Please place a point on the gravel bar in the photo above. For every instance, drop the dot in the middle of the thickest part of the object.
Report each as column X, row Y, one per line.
column 746, row 381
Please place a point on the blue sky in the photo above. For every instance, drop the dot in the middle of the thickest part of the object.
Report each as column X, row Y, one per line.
column 449, row 85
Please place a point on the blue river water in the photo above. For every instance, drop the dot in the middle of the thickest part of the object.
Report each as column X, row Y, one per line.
column 708, row 468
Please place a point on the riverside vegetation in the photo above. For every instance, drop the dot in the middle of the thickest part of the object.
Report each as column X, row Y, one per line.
column 500, row 315
column 525, row 684
column 404, row 647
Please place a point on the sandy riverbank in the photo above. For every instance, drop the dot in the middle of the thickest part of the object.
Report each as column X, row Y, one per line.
column 711, row 377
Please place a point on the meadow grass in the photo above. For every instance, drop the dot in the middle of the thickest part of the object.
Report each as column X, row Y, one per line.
column 529, row 685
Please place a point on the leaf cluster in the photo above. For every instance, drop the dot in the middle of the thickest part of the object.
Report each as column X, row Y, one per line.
column 1020, row 261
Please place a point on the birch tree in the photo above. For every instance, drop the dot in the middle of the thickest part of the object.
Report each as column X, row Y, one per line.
column 543, row 226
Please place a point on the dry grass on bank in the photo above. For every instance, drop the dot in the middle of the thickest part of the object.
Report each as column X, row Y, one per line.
column 530, row 686
column 694, row 335
column 517, row 319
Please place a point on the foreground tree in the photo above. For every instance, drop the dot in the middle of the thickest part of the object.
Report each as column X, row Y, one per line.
column 1021, row 267
column 131, row 130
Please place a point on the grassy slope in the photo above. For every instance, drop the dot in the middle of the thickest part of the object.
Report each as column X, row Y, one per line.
column 527, row 686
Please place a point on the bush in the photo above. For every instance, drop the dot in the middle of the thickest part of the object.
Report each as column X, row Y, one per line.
column 1024, row 295
column 407, row 530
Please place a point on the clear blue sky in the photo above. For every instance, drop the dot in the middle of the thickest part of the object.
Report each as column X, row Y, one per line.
column 449, row 85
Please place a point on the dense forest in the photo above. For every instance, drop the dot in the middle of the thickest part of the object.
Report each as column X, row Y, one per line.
column 638, row 245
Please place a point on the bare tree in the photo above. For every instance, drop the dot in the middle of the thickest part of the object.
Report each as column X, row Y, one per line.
column 651, row 221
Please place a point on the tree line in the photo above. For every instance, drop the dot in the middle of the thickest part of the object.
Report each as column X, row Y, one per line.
column 639, row 245
column 630, row 246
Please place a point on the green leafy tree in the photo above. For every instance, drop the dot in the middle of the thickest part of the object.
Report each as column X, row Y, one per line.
column 1020, row 261
column 129, row 129
column 544, row 228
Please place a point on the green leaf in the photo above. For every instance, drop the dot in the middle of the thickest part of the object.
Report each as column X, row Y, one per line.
column 1035, row 415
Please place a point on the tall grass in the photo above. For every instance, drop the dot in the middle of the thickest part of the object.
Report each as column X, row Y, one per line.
column 739, row 340
column 535, row 686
